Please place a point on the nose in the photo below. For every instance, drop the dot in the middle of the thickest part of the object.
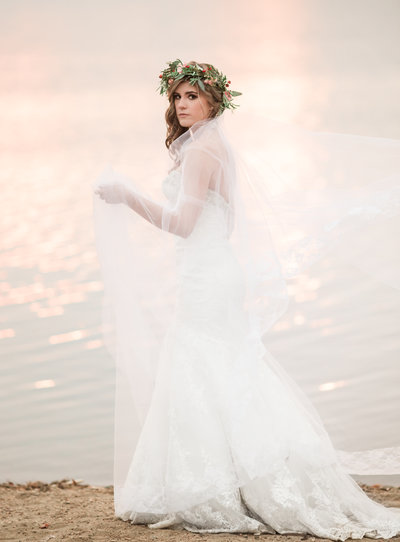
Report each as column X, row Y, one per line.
column 182, row 105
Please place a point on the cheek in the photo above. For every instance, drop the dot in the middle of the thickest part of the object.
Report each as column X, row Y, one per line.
column 200, row 106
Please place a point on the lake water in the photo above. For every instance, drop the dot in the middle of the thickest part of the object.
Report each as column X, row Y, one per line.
column 78, row 89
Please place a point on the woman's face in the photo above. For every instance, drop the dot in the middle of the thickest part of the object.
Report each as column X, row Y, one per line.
column 190, row 104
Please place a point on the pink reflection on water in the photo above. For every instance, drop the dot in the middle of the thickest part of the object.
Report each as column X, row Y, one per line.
column 42, row 384
column 95, row 343
column 321, row 322
column 68, row 337
column 46, row 312
column 329, row 386
column 299, row 319
column 7, row 333
column 282, row 325
column 63, row 292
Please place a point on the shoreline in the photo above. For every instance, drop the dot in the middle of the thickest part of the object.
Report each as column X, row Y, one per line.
column 73, row 510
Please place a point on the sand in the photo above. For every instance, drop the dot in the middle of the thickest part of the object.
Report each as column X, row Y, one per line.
column 74, row 511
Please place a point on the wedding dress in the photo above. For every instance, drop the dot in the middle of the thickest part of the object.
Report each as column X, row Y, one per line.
column 212, row 435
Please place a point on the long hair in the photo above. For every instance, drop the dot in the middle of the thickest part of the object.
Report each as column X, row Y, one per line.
column 214, row 98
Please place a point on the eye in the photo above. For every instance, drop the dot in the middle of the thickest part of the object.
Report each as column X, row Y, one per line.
column 194, row 96
column 176, row 96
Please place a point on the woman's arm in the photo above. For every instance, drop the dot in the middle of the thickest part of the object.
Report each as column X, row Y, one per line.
column 180, row 219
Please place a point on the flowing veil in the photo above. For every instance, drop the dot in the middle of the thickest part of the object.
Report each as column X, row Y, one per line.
column 332, row 200
column 298, row 197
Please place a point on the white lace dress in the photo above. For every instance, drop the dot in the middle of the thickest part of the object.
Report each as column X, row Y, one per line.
column 226, row 446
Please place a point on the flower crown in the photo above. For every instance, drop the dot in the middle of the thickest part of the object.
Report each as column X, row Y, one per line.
column 202, row 76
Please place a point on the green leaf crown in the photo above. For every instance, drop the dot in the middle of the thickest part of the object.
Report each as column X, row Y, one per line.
column 202, row 76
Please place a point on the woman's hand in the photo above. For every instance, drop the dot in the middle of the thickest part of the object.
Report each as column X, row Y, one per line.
column 112, row 193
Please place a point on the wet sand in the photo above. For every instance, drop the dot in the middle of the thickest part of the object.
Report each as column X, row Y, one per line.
column 74, row 511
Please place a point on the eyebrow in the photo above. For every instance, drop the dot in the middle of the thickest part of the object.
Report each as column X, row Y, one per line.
column 188, row 92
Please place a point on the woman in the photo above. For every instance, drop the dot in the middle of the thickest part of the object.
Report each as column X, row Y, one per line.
column 211, row 434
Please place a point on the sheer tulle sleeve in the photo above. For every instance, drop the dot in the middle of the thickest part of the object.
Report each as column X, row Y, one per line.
column 179, row 217
column 198, row 168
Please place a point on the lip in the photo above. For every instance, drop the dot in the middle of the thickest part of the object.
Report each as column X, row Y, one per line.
column 183, row 115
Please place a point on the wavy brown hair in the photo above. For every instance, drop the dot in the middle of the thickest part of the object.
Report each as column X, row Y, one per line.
column 214, row 98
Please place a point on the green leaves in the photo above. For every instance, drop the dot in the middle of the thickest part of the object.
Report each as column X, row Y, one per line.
column 196, row 74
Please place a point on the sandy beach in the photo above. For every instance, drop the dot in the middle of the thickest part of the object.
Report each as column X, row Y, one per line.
column 72, row 510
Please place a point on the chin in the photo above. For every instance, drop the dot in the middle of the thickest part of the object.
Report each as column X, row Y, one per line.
column 186, row 123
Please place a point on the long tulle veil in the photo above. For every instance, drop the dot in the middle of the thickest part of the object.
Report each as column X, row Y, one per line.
column 331, row 203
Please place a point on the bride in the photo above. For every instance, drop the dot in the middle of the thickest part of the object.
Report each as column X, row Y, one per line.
column 211, row 435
